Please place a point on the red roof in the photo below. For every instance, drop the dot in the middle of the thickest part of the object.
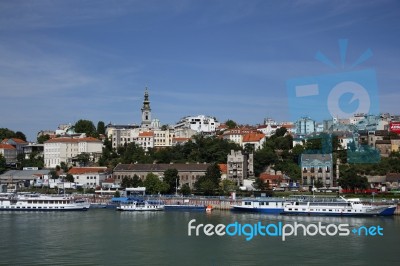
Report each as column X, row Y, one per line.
column 266, row 176
column 86, row 170
column 223, row 167
column 20, row 141
column 6, row 146
column 253, row 137
column 71, row 140
column 146, row 134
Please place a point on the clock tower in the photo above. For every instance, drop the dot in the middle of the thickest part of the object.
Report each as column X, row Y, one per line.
column 146, row 111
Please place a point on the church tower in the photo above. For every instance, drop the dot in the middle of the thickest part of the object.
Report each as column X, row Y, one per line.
column 146, row 111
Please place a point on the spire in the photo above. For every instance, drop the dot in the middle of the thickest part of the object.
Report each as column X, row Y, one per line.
column 146, row 110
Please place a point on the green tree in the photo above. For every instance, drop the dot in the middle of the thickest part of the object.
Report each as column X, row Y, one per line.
column 172, row 179
column 136, row 181
column 69, row 178
column 228, row 186
column 42, row 138
column 126, row 182
column 349, row 179
column 117, row 194
column 83, row 158
column 101, row 128
column 2, row 164
column 87, row 127
column 185, row 189
column 6, row 133
column 154, row 185
column 230, row 123
column 20, row 135
column 260, row 184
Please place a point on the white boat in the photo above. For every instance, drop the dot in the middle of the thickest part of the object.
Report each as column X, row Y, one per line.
column 264, row 205
column 338, row 207
column 39, row 202
column 140, row 205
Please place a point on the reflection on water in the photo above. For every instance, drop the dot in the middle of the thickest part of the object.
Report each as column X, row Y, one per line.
column 108, row 237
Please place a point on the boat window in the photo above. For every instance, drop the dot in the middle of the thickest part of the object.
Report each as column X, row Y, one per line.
column 349, row 210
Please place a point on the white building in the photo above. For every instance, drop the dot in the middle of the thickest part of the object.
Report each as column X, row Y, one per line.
column 146, row 140
column 200, row 123
column 9, row 153
column 89, row 177
column 65, row 149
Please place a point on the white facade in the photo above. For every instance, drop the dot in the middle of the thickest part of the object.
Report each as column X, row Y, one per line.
column 200, row 123
column 163, row 138
column 64, row 149
column 8, row 152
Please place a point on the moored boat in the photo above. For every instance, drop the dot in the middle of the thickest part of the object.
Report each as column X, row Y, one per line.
column 337, row 207
column 132, row 204
column 38, row 202
column 184, row 206
column 264, row 205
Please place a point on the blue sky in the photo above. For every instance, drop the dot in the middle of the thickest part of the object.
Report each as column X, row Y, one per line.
column 61, row 61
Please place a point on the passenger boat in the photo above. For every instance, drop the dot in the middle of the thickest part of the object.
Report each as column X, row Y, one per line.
column 184, row 206
column 39, row 202
column 337, row 207
column 264, row 205
column 140, row 205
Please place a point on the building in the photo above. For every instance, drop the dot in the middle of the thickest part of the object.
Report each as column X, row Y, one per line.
column 122, row 134
column 66, row 149
column 305, row 126
column 239, row 166
column 200, row 123
column 25, row 177
column 146, row 140
column 188, row 173
column 9, row 153
column 146, row 111
column 90, row 177
column 163, row 138
column 18, row 144
column 317, row 168
column 33, row 148
column 254, row 140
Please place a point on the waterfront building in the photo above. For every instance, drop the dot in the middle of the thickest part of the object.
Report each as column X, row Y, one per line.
column 188, row 173
column 239, row 166
column 90, row 177
column 26, row 178
column 317, row 168
column 66, row 149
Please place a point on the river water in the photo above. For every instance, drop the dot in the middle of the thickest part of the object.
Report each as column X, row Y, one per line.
column 108, row 237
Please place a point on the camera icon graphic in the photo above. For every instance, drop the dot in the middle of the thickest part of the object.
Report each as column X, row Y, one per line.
column 339, row 95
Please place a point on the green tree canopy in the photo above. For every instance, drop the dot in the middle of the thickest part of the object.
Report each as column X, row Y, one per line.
column 87, row 127
column 172, row 179
column 101, row 128
column 230, row 123
column 2, row 164
column 42, row 138
column 185, row 189
column 154, row 185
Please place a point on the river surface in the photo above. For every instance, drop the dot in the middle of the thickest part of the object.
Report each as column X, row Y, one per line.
column 108, row 237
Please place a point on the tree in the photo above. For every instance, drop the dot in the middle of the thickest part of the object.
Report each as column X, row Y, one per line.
column 260, row 184
column 154, row 185
column 87, row 127
column 349, row 179
column 185, row 189
column 83, row 158
column 42, row 138
column 69, row 178
column 2, row 164
column 126, row 182
column 230, row 124
column 20, row 135
column 117, row 194
column 172, row 179
column 54, row 174
column 228, row 186
column 101, row 129
column 6, row 133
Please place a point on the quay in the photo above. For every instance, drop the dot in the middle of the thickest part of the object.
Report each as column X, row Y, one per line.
column 217, row 202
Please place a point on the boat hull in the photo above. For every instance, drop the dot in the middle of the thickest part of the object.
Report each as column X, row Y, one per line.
column 184, row 208
column 259, row 210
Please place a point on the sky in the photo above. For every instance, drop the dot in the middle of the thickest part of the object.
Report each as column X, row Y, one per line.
column 61, row 61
